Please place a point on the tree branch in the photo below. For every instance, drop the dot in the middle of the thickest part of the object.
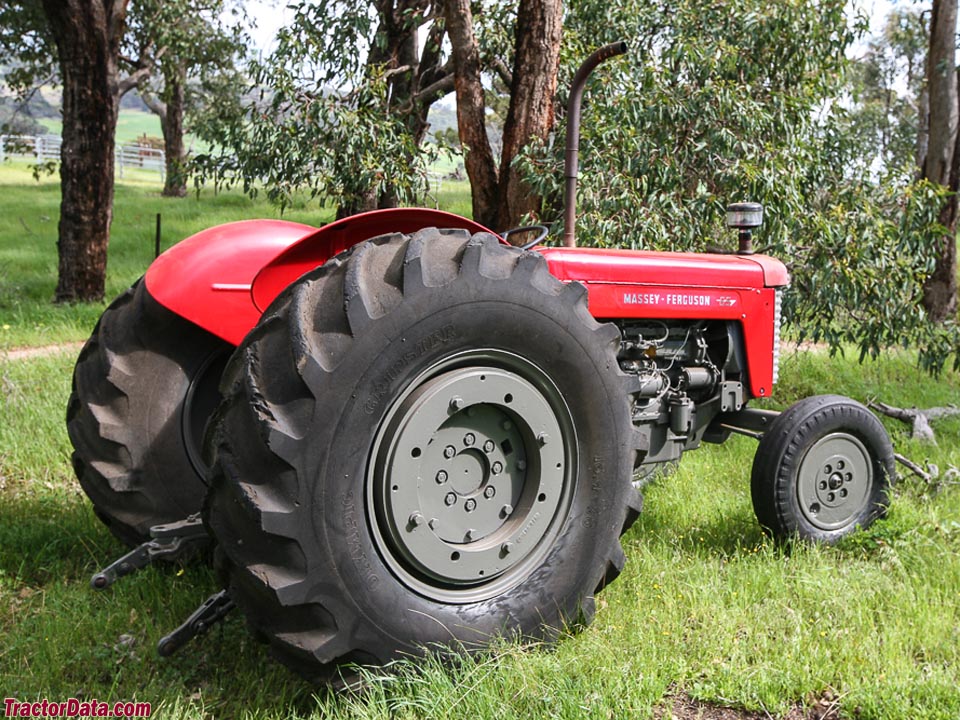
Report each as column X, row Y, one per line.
column 918, row 419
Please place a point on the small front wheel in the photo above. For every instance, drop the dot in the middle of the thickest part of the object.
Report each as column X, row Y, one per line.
column 822, row 470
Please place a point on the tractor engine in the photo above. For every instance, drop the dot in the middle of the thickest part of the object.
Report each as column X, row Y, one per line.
column 685, row 373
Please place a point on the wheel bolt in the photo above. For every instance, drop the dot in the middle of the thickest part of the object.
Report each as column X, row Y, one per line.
column 469, row 439
column 416, row 519
column 470, row 505
column 828, row 470
column 506, row 510
column 450, row 499
column 449, row 451
column 488, row 446
column 433, row 523
column 456, row 403
column 843, row 493
column 823, row 484
column 506, row 548
column 489, row 491
column 441, row 477
column 497, row 468
column 521, row 464
column 471, row 535
column 507, row 425
column 543, row 438
column 831, row 497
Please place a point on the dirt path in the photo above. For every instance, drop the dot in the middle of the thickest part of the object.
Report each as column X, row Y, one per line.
column 43, row 351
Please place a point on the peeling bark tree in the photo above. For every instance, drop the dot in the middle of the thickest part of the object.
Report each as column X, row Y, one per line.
column 88, row 35
column 500, row 198
column 942, row 163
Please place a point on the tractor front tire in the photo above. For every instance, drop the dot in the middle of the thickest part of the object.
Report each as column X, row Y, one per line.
column 822, row 470
column 425, row 444
column 144, row 386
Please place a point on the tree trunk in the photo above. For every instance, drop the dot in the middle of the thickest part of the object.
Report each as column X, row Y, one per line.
column 471, row 113
column 940, row 166
column 87, row 33
column 175, row 184
column 536, row 60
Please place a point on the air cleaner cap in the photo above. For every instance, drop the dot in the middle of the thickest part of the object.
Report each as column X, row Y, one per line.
column 745, row 215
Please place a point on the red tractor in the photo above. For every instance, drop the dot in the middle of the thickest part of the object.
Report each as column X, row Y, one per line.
column 405, row 433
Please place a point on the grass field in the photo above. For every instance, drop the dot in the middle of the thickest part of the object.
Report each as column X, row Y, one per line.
column 706, row 608
column 131, row 124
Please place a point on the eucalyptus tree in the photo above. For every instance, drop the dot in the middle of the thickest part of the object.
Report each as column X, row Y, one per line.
column 340, row 106
column 725, row 102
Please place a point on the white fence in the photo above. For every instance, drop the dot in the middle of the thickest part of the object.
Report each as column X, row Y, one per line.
column 47, row 147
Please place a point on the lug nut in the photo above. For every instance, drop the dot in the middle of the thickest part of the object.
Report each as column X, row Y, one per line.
column 521, row 464
column 497, row 468
column 449, row 451
column 488, row 446
column 470, row 505
column 433, row 523
column 506, row 548
column 456, row 403
column 441, row 477
column 506, row 510
column 507, row 425
column 823, row 484
column 489, row 491
column 469, row 439
column 416, row 519
column 471, row 535
column 543, row 438
column 450, row 499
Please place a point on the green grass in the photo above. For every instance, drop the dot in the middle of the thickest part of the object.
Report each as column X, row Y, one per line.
column 29, row 212
column 706, row 605
column 131, row 124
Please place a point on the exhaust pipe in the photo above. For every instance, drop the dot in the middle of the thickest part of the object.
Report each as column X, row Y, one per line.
column 572, row 163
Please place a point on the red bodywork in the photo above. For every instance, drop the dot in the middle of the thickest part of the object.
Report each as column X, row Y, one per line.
column 222, row 279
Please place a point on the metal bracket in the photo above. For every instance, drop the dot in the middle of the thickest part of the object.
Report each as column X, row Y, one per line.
column 168, row 541
column 212, row 611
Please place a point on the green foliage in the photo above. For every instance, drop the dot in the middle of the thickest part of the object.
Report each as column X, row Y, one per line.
column 728, row 102
column 323, row 121
column 885, row 86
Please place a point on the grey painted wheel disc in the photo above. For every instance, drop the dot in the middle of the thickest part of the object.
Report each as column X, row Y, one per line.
column 471, row 476
column 834, row 481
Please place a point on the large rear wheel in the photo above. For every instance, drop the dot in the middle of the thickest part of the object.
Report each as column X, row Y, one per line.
column 426, row 443
column 144, row 386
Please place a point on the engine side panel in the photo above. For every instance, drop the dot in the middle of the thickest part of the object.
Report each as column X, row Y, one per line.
column 623, row 284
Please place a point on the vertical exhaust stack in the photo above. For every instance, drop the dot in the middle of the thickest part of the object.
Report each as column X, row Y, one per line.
column 572, row 164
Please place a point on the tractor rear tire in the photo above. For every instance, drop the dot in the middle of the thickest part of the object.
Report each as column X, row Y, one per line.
column 144, row 386
column 424, row 444
column 822, row 470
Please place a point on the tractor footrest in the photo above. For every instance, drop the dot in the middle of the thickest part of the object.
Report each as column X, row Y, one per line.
column 212, row 611
column 169, row 542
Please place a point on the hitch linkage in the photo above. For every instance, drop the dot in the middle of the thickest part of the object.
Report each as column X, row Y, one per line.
column 212, row 611
column 168, row 541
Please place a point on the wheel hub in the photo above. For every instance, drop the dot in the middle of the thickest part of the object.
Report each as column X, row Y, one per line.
column 835, row 480
column 466, row 486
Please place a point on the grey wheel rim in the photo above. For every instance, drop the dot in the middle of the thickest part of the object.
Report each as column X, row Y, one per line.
column 471, row 476
column 835, row 481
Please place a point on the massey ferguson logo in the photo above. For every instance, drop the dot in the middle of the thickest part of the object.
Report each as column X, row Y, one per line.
column 657, row 298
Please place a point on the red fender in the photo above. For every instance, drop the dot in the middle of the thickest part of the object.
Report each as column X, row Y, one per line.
column 223, row 278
